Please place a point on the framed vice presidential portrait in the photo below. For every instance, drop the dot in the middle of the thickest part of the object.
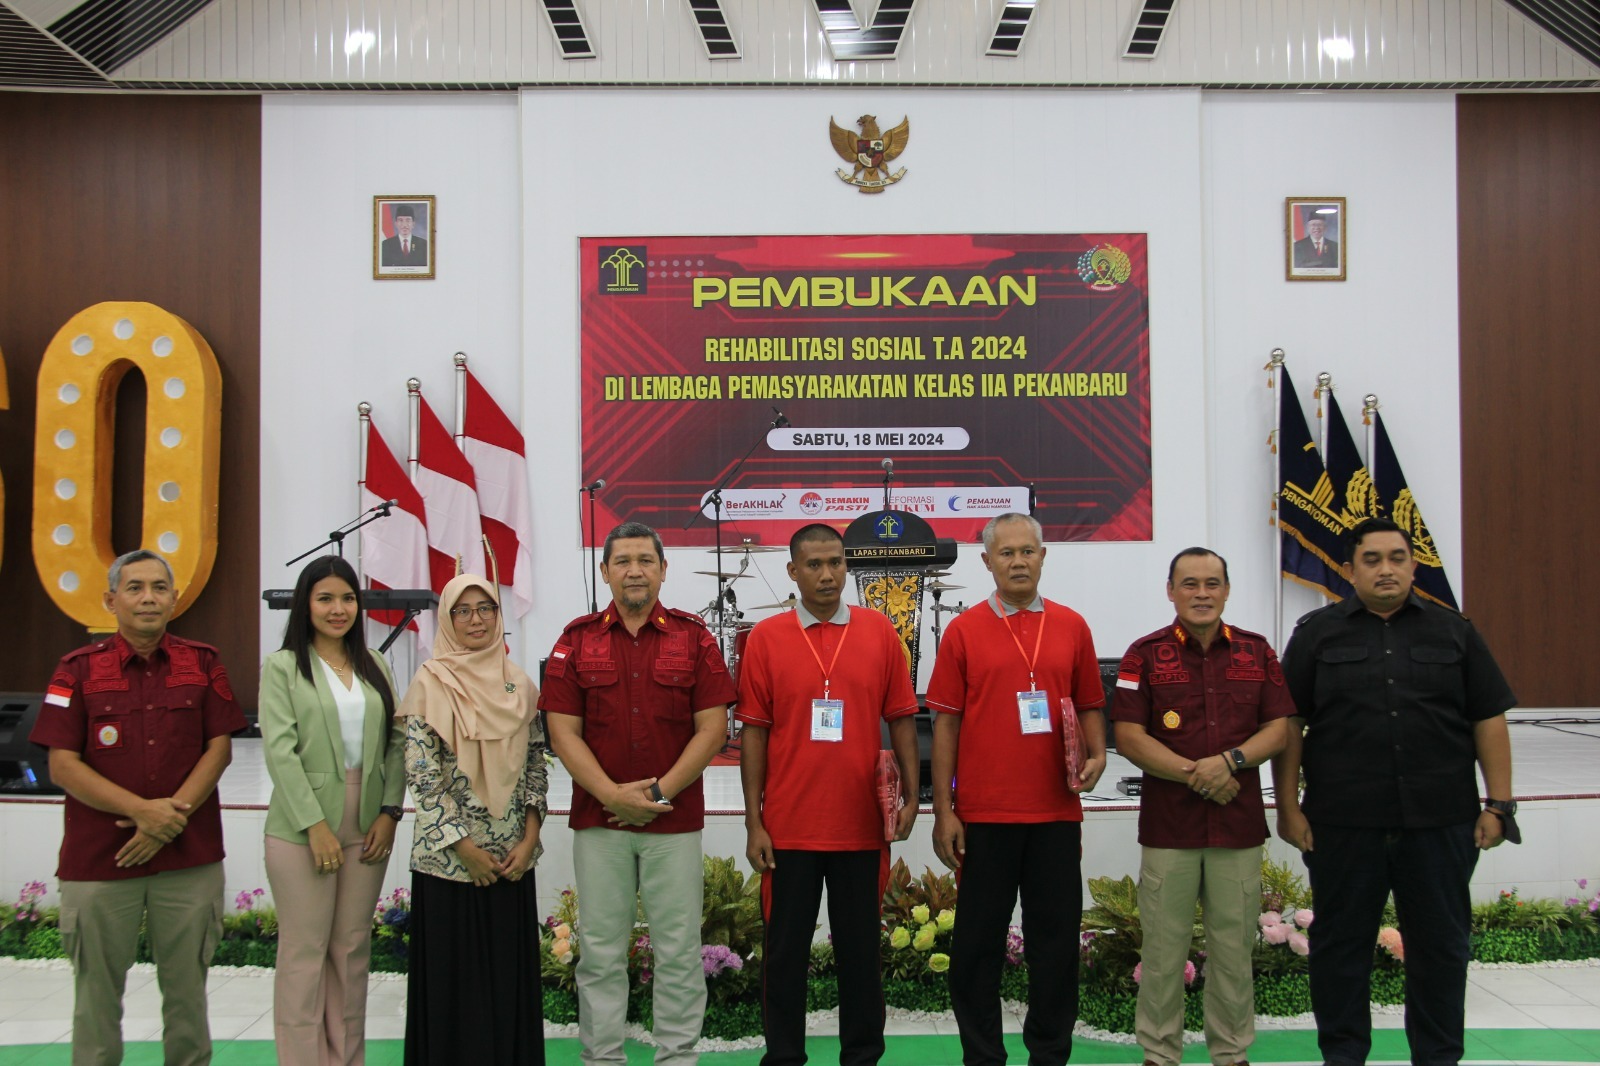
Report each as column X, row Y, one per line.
column 403, row 243
column 1317, row 238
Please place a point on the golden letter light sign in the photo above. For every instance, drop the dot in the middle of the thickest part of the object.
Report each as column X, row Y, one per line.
column 73, row 438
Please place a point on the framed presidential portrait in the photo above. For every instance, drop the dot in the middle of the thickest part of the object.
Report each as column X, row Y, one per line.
column 403, row 230
column 1316, row 238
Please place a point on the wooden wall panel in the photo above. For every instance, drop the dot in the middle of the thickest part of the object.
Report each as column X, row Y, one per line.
column 116, row 197
column 1528, row 184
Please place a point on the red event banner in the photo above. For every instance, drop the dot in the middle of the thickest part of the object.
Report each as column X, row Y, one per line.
column 984, row 366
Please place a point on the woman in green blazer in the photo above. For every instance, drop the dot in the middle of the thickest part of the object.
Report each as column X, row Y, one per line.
column 334, row 750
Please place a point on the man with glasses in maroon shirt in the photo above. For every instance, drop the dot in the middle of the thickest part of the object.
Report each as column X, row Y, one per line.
column 1199, row 705
column 138, row 726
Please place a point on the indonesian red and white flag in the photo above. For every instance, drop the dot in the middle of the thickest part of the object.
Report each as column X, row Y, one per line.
column 494, row 446
column 394, row 550
column 444, row 477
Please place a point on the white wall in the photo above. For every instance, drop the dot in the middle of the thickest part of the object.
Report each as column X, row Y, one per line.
column 1391, row 329
column 1205, row 175
column 331, row 336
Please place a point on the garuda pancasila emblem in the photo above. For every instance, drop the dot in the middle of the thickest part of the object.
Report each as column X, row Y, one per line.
column 870, row 152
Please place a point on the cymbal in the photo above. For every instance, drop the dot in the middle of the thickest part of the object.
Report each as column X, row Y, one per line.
column 724, row 576
column 786, row 605
column 747, row 549
column 936, row 573
column 942, row 586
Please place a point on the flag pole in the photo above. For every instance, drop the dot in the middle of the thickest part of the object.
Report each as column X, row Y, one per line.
column 461, row 397
column 414, row 431
column 363, row 425
column 1324, row 384
column 1275, row 381
column 1369, row 407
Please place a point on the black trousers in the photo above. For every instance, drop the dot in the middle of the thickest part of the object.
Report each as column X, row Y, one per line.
column 1041, row 862
column 1353, row 870
column 791, row 894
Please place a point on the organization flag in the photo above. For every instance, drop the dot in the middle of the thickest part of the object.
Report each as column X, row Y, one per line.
column 1394, row 493
column 1309, row 519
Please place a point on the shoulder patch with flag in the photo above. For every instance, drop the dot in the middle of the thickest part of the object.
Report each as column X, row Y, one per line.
column 1129, row 671
column 558, row 660
column 59, row 694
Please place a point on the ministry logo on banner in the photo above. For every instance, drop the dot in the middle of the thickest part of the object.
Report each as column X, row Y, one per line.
column 622, row 269
column 943, row 502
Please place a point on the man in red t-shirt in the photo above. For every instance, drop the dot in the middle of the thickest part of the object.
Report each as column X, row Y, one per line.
column 1199, row 705
column 1005, row 818
column 138, row 729
column 636, row 697
column 814, row 685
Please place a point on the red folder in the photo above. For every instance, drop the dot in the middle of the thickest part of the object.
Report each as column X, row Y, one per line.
column 1072, row 742
column 889, row 798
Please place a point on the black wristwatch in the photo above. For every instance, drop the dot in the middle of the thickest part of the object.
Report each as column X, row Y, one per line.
column 1238, row 759
column 397, row 813
column 1506, row 811
column 656, row 794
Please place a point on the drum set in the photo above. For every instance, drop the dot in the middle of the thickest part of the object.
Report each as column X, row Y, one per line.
column 728, row 624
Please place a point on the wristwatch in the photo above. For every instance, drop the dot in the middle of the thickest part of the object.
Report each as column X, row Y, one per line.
column 394, row 812
column 1506, row 811
column 656, row 794
column 1237, row 754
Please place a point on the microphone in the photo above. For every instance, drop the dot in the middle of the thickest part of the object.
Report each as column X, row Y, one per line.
column 594, row 486
column 888, row 466
column 782, row 421
column 384, row 506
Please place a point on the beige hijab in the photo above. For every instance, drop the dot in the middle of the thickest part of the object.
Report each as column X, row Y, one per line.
column 479, row 702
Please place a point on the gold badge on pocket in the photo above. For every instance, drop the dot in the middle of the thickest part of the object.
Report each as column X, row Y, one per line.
column 1171, row 720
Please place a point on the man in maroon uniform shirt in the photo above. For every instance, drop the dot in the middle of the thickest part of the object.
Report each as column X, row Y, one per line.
column 138, row 730
column 814, row 685
column 637, row 698
column 1200, row 704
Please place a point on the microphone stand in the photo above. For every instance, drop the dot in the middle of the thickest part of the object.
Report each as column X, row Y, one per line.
column 336, row 538
column 888, row 477
column 715, row 499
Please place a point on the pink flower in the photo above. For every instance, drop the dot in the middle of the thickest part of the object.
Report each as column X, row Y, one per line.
column 1302, row 918
column 1277, row 934
column 1299, row 944
column 1269, row 919
column 1188, row 973
column 1389, row 940
column 1138, row 972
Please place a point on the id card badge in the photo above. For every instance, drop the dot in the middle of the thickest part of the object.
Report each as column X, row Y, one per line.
column 827, row 720
column 1033, row 711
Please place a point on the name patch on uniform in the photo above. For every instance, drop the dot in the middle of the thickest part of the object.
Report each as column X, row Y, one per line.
column 1176, row 677
column 1234, row 673
column 1171, row 720
column 108, row 736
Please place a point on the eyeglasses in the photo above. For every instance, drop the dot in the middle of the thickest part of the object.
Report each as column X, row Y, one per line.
column 485, row 611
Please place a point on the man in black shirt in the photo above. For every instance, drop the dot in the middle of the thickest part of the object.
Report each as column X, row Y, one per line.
column 1400, row 698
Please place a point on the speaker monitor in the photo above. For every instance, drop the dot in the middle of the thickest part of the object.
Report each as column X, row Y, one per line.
column 24, row 766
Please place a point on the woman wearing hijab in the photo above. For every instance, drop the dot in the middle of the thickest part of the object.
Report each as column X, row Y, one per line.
column 333, row 749
column 475, row 763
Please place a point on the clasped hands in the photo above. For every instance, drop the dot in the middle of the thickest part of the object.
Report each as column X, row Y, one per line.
column 1211, row 779
column 157, row 823
column 632, row 805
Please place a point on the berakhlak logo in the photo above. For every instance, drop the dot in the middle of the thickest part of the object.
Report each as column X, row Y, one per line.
column 811, row 503
column 622, row 269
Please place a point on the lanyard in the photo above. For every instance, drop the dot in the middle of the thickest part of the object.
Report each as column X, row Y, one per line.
column 827, row 671
column 1029, row 659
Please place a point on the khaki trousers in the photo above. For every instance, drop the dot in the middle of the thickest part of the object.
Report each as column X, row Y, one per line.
column 319, row 993
column 182, row 912
column 616, row 870
column 1227, row 884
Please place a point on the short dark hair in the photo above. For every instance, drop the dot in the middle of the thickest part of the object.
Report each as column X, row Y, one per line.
column 405, row 211
column 1172, row 567
column 1365, row 528
column 631, row 531
column 815, row 533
